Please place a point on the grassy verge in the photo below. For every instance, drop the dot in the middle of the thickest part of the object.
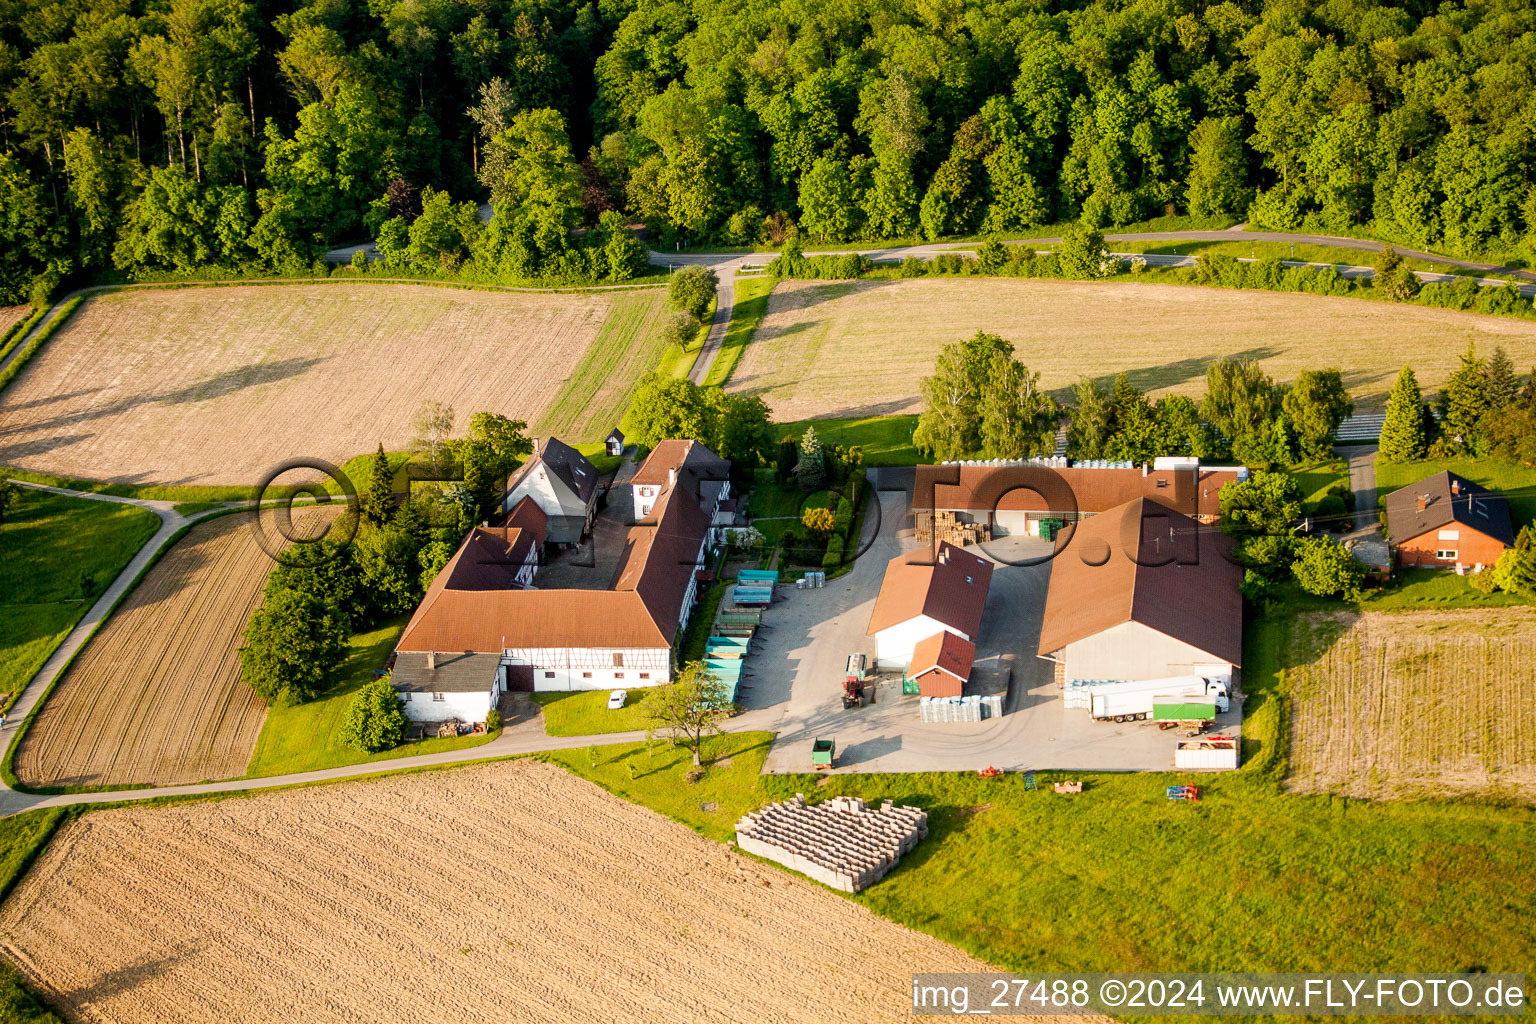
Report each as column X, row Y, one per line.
column 597, row 454
column 677, row 360
column 586, row 712
column 57, row 555
column 1032, row 881
column 305, row 737
column 18, row 330
column 1316, row 478
column 1433, row 588
column 38, row 340
column 1247, row 249
column 747, row 312
column 1516, row 482
column 886, row 440
column 628, row 344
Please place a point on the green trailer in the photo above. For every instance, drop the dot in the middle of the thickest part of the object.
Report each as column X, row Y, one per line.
column 822, row 753
column 1181, row 711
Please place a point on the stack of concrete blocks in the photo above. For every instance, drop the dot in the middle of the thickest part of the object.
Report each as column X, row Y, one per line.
column 840, row 842
column 960, row 709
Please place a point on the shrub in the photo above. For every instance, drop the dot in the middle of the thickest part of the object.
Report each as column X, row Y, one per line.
column 913, row 267
column 1138, row 264
column 843, row 520
column 374, row 719
column 292, row 645
column 819, row 520
column 1324, row 568
column 691, row 290
column 680, row 329
column 834, row 556
column 492, row 720
column 1483, row 581
column 360, row 261
column 1331, row 513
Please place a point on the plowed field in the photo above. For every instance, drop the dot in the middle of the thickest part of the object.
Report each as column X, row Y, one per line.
column 218, row 385
column 1415, row 703
column 156, row 696
column 861, row 348
column 502, row 893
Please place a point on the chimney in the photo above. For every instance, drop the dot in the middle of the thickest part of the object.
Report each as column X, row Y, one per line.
column 671, row 476
column 432, row 661
column 1145, row 468
column 1423, row 502
column 1455, row 486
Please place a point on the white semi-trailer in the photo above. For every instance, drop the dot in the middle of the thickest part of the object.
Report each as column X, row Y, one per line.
column 1133, row 700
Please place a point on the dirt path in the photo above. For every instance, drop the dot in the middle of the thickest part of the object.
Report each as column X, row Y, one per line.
column 510, row 892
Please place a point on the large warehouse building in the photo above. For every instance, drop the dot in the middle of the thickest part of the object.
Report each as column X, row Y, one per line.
column 1143, row 592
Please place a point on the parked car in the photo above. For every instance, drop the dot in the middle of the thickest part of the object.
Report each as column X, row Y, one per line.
column 616, row 699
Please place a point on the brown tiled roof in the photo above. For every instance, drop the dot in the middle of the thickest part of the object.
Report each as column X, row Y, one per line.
column 567, row 464
column 694, row 463
column 950, row 587
column 943, row 652
column 981, row 489
column 467, row 608
column 660, row 555
column 1471, row 505
column 1193, row 598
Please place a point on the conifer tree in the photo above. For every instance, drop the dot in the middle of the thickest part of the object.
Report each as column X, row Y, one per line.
column 1402, row 435
column 379, row 500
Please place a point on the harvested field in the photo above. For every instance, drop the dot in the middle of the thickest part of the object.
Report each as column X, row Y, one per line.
column 506, row 892
column 860, row 348
column 156, row 696
column 218, row 385
column 12, row 314
column 1414, row 703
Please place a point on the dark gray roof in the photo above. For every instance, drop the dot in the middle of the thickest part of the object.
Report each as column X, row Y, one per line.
column 1449, row 499
column 570, row 466
column 456, row 672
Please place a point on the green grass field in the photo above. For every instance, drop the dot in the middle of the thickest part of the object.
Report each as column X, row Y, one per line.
column 596, row 395
column 1517, row 483
column 1119, row 878
column 22, row 838
column 751, row 304
column 57, row 555
column 1433, row 588
column 886, row 440
column 586, row 712
column 305, row 737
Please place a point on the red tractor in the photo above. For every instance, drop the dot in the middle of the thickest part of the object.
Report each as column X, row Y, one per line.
column 853, row 681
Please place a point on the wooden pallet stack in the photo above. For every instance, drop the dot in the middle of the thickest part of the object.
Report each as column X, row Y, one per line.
column 947, row 528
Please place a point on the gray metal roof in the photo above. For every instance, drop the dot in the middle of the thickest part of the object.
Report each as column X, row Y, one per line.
column 1448, row 498
column 456, row 672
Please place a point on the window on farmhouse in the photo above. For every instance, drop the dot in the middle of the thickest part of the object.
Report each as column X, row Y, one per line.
column 549, row 675
column 618, row 675
column 618, row 660
column 1445, row 555
column 586, row 675
column 437, row 696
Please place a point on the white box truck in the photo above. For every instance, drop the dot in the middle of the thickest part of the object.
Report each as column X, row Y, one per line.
column 1133, row 701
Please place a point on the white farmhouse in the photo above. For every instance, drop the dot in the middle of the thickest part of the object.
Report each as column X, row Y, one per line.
column 926, row 593
column 512, row 635
column 563, row 483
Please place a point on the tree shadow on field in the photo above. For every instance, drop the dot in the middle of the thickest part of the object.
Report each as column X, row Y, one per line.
column 128, row 977
column 62, row 396
column 218, row 386
column 1167, row 375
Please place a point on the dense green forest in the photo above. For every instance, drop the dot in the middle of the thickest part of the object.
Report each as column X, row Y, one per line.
column 174, row 136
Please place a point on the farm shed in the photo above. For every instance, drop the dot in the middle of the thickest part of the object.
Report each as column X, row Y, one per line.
column 1446, row 520
column 941, row 664
column 923, row 594
column 1012, row 497
column 1145, row 593
column 434, row 687
column 613, row 444
column 563, row 483
column 1217, row 753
